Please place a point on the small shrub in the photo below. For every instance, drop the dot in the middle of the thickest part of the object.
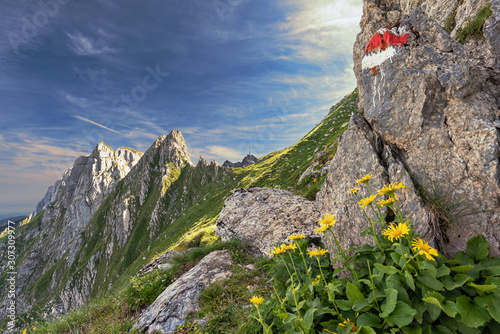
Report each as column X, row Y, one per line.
column 143, row 290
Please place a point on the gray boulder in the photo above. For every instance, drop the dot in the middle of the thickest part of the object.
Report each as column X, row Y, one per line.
column 180, row 299
column 266, row 217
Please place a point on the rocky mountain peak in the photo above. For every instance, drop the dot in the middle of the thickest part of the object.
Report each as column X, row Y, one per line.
column 248, row 160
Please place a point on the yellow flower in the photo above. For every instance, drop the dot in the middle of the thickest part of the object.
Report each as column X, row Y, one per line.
column 365, row 179
column 314, row 181
column 396, row 231
column 389, row 202
column 391, row 188
column 354, row 190
column 256, row 300
column 24, row 331
column 296, row 236
column 292, row 246
column 322, row 229
column 367, row 201
column 354, row 329
column 278, row 250
column 316, row 252
column 425, row 249
column 327, row 220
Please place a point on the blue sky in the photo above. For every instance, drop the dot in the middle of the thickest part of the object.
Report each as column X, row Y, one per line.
column 229, row 74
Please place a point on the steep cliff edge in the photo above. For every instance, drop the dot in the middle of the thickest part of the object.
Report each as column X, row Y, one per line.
column 431, row 117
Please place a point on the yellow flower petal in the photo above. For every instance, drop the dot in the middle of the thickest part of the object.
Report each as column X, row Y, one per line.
column 424, row 248
column 256, row 300
column 367, row 201
column 396, row 231
column 364, row 179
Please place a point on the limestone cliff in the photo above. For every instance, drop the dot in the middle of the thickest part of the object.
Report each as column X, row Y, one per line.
column 431, row 111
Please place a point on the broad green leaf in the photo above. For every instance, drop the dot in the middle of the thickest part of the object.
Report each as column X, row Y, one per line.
column 386, row 269
column 409, row 280
column 462, row 269
column 457, row 281
column 492, row 304
column 361, row 305
column 477, row 247
column 366, row 330
column 430, row 281
column 433, row 311
column 309, row 318
column 369, row 319
column 442, row 271
column 436, row 298
column 492, row 271
column 473, row 315
column 483, row 287
column 391, row 298
column 464, row 329
column 463, row 257
column 344, row 305
column 397, row 259
column 429, row 266
column 440, row 329
column 401, row 316
column 353, row 292
column 412, row 330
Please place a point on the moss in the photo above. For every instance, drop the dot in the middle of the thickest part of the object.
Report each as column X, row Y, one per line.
column 475, row 28
column 449, row 24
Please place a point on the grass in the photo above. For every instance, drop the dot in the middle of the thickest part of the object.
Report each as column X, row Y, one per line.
column 475, row 28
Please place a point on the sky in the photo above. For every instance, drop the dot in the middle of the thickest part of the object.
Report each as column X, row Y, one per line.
column 231, row 75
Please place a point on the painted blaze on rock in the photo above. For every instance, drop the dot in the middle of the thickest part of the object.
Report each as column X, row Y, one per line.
column 382, row 46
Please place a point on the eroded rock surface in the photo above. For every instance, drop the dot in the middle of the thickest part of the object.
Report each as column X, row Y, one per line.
column 266, row 217
column 180, row 299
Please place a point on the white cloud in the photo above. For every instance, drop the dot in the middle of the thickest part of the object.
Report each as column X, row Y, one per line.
column 85, row 46
column 78, row 101
column 321, row 30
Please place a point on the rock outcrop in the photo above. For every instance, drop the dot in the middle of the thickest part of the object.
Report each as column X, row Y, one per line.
column 180, row 299
column 266, row 217
column 247, row 161
column 430, row 113
column 67, row 208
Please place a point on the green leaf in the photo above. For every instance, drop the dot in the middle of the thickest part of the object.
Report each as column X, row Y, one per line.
column 473, row 315
column 458, row 281
column 492, row 271
column 401, row 316
column 309, row 318
column 369, row 319
column 436, row 298
column 483, row 287
column 397, row 259
column 477, row 247
column 366, row 330
column 464, row 329
column 429, row 266
column 442, row 271
column 461, row 269
column 492, row 304
column 353, row 292
column 440, row 329
column 412, row 330
column 344, row 305
column 389, row 270
column 409, row 280
column 391, row 297
column 430, row 281
column 361, row 305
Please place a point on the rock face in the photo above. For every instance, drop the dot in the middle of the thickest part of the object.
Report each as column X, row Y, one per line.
column 430, row 107
column 248, row 160
column 68, row 206
column 180, row 299
column 160, row 263
column 265, row 217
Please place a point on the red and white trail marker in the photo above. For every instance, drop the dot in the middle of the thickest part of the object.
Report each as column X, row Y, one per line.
column 383, row 46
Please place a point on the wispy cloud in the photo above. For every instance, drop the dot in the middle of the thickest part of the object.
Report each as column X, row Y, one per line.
column 78, row 101
column 85, row 46
column 97, row 124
